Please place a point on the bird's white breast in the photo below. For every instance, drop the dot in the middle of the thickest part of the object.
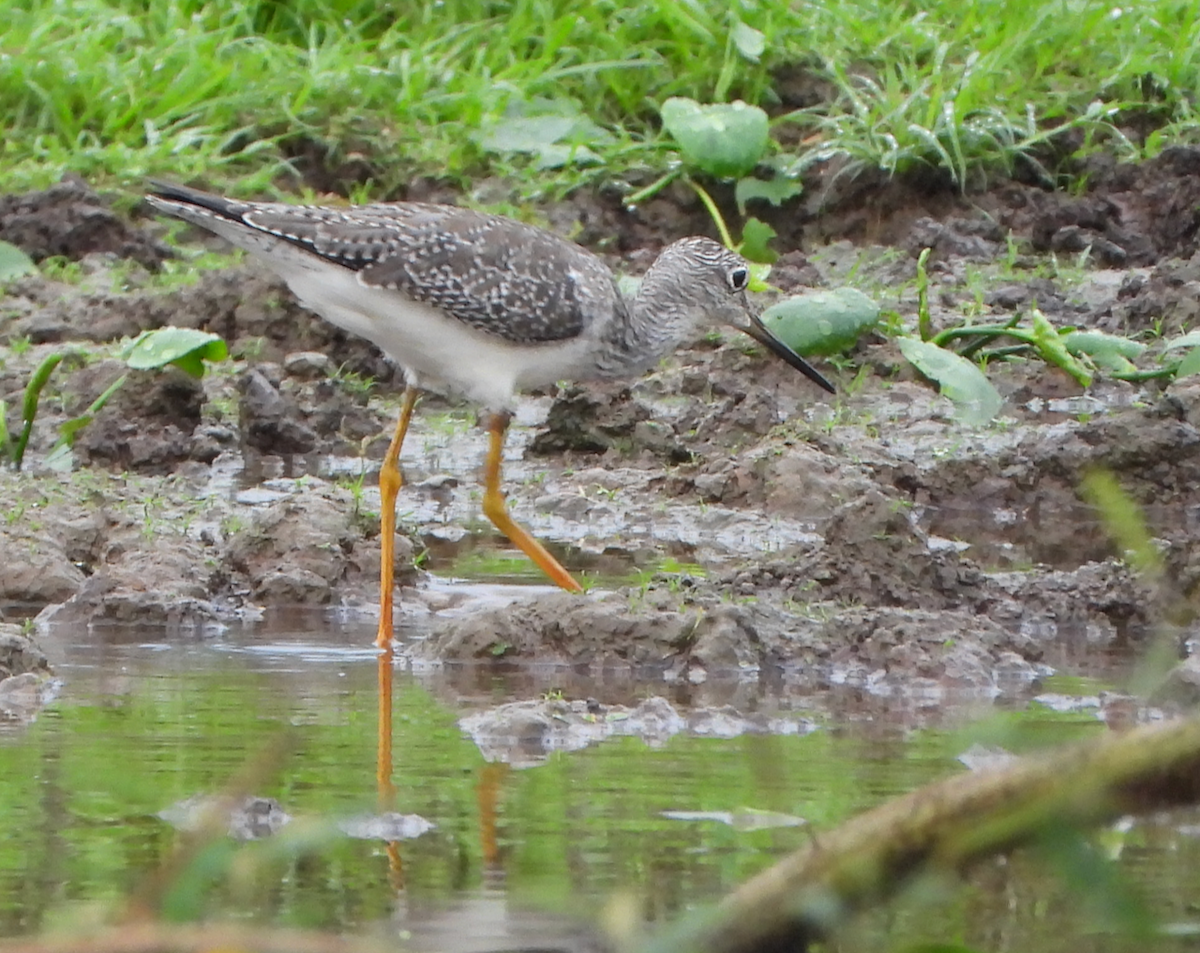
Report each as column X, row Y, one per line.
column 442, row 353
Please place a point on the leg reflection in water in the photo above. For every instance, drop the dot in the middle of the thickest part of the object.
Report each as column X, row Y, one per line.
column 383, row 762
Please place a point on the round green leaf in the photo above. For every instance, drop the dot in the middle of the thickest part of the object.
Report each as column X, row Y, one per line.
column 822, row 322
column 749, row 42
column 725, row 139
column 976, row 401
column 186, row 348
column 14, row 263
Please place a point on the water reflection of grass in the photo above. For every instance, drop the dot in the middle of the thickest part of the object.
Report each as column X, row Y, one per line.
column 80, row 790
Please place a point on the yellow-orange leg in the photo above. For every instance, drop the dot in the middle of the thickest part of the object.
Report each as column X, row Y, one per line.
column 491, row 781
column 497, row 512
column 390, row 481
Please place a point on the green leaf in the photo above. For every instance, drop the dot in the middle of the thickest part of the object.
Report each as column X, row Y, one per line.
column 1191, row 339
column 14, row 263
column 557, row 134
column 1109, row 351
column 58, row 459
column 33, row 393
column 69, row 428
column 975, row 399
column 751, row 43
column 5, row 447
column 526, row 133
column 37, row 382
column 1095, row 343
column 822, row 322
column 560, row 154
column 1190, row 364
column 924, row 319
column 756, row 236
column 724, row 140
column 1053, row 349
column 776, row 191
column 186, row 348
column 759, row 273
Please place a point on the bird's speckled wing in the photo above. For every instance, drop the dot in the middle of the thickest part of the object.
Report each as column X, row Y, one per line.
column 495, row 274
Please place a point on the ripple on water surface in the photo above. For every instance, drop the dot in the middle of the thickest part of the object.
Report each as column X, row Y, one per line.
column 147, row 721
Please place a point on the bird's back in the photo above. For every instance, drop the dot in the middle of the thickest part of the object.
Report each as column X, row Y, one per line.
column 500, row 277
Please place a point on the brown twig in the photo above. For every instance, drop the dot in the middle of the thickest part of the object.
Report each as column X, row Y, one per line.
column 947, row 826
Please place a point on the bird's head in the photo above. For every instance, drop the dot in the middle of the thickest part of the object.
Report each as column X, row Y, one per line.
column 711, row 282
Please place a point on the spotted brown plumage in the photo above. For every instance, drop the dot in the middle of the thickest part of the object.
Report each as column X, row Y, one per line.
column 495, row 274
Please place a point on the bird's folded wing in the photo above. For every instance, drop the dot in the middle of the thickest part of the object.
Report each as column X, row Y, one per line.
column 500, row 277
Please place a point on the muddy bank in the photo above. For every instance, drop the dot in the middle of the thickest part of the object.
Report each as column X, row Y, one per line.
column 733, row 520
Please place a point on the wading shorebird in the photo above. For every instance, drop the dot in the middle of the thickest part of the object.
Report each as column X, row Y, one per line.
column 480, row 306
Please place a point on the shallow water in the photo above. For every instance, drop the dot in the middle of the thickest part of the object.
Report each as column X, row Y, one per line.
column 146, row 721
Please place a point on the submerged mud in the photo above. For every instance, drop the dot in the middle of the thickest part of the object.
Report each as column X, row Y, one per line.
column 733, row 520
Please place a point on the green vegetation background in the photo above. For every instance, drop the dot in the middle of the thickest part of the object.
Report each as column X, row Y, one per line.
column 234, row 93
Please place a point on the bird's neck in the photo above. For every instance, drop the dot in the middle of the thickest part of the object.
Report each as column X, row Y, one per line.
column 642, row 332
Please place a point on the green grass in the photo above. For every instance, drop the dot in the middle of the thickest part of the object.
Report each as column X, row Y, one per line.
column 118, row 90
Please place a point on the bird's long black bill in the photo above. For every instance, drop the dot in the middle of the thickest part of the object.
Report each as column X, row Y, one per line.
column 759, row 332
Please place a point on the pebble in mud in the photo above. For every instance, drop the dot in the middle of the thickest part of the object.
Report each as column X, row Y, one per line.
column 307, row 365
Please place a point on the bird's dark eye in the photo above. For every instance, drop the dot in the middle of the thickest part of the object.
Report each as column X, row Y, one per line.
column 739, row 278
